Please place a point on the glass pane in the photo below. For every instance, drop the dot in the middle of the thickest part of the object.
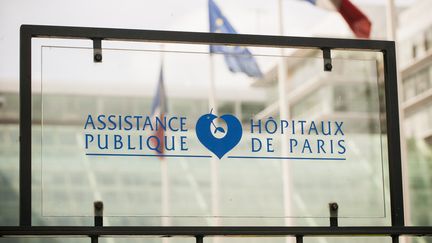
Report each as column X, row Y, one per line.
column 211, row 145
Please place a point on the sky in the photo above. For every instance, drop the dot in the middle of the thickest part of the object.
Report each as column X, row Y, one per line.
column 247, row 16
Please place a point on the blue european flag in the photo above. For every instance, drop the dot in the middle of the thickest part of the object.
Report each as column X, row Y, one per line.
column 238, row 58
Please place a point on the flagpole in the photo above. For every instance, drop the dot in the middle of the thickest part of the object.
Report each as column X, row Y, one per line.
column 212, row 88
column 214, row 166
column 214, row 161
column 284, row 115
column 391, row 35
column 166, row 220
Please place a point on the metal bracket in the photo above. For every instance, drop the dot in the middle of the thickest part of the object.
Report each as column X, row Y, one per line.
column 333, row 207
column 97, row 50
column 98, row 219
column 327, row 59
column 98, row 213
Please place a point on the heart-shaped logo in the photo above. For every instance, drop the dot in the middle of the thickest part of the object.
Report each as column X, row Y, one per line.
column 219, row 146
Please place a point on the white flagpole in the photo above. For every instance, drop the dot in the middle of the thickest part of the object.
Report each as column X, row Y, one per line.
column 165, row 193
column 214, row 166
column 166, row 220
column 212, row 88
column 284, row 114
column 391, row 35
column 214, row 161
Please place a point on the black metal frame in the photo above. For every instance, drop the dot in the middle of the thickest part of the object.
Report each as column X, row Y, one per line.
column 27, row 32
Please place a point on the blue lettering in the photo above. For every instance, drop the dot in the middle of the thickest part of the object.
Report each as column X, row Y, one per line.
column 128, row 122
column 102, row 122
column 257, row 125
column 88, row 139
column 302, row 126
column 183, row 143
column 313, row 127
column 323, row 130
column 284, row 124
column 112, row 122
column 259, row 144
column 170, row 126
column 267, row 125
column 320, row 144
column 118, row 144
column 293, row 144
column 172, row 144
column 89, row 121
column 137, row 118
column 306, row 145
column 160, row 123
column 270, row 145
column 99, row 142
column 339, row 128
column 156, row 143
column 129, row 143
column 147, row 122
column 341, row 144
column 183, row 127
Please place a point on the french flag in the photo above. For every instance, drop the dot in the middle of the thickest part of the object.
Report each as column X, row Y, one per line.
column 356, row 19
column 159, row 108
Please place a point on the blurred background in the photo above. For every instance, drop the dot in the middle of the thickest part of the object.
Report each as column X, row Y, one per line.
column 67, row 86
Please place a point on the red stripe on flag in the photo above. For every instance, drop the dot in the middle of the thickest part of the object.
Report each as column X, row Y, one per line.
column 160, row 134
column 357, row 21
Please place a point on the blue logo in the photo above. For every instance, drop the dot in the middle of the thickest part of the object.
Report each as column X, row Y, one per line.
column 230, row 138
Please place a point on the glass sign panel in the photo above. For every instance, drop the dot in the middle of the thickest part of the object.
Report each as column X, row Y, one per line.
column 186, row 134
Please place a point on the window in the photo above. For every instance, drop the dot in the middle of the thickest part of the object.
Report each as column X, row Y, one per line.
column 428, row 39
column 422, row 81
column 418, row 83
column 409, row 88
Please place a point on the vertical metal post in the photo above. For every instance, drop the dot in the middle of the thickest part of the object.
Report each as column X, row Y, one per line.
column 395, row 238
column 199, row 238
column 299, row 238
column 94, row 239
column 25, row 167
column 393, row 137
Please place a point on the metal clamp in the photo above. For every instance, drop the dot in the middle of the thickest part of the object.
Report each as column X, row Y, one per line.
column 98, row 219
column 333, row 207
column 327, row 59
column 97, row 50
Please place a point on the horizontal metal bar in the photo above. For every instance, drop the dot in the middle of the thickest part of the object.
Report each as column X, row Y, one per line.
column 212, row 231
column 203, row 38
